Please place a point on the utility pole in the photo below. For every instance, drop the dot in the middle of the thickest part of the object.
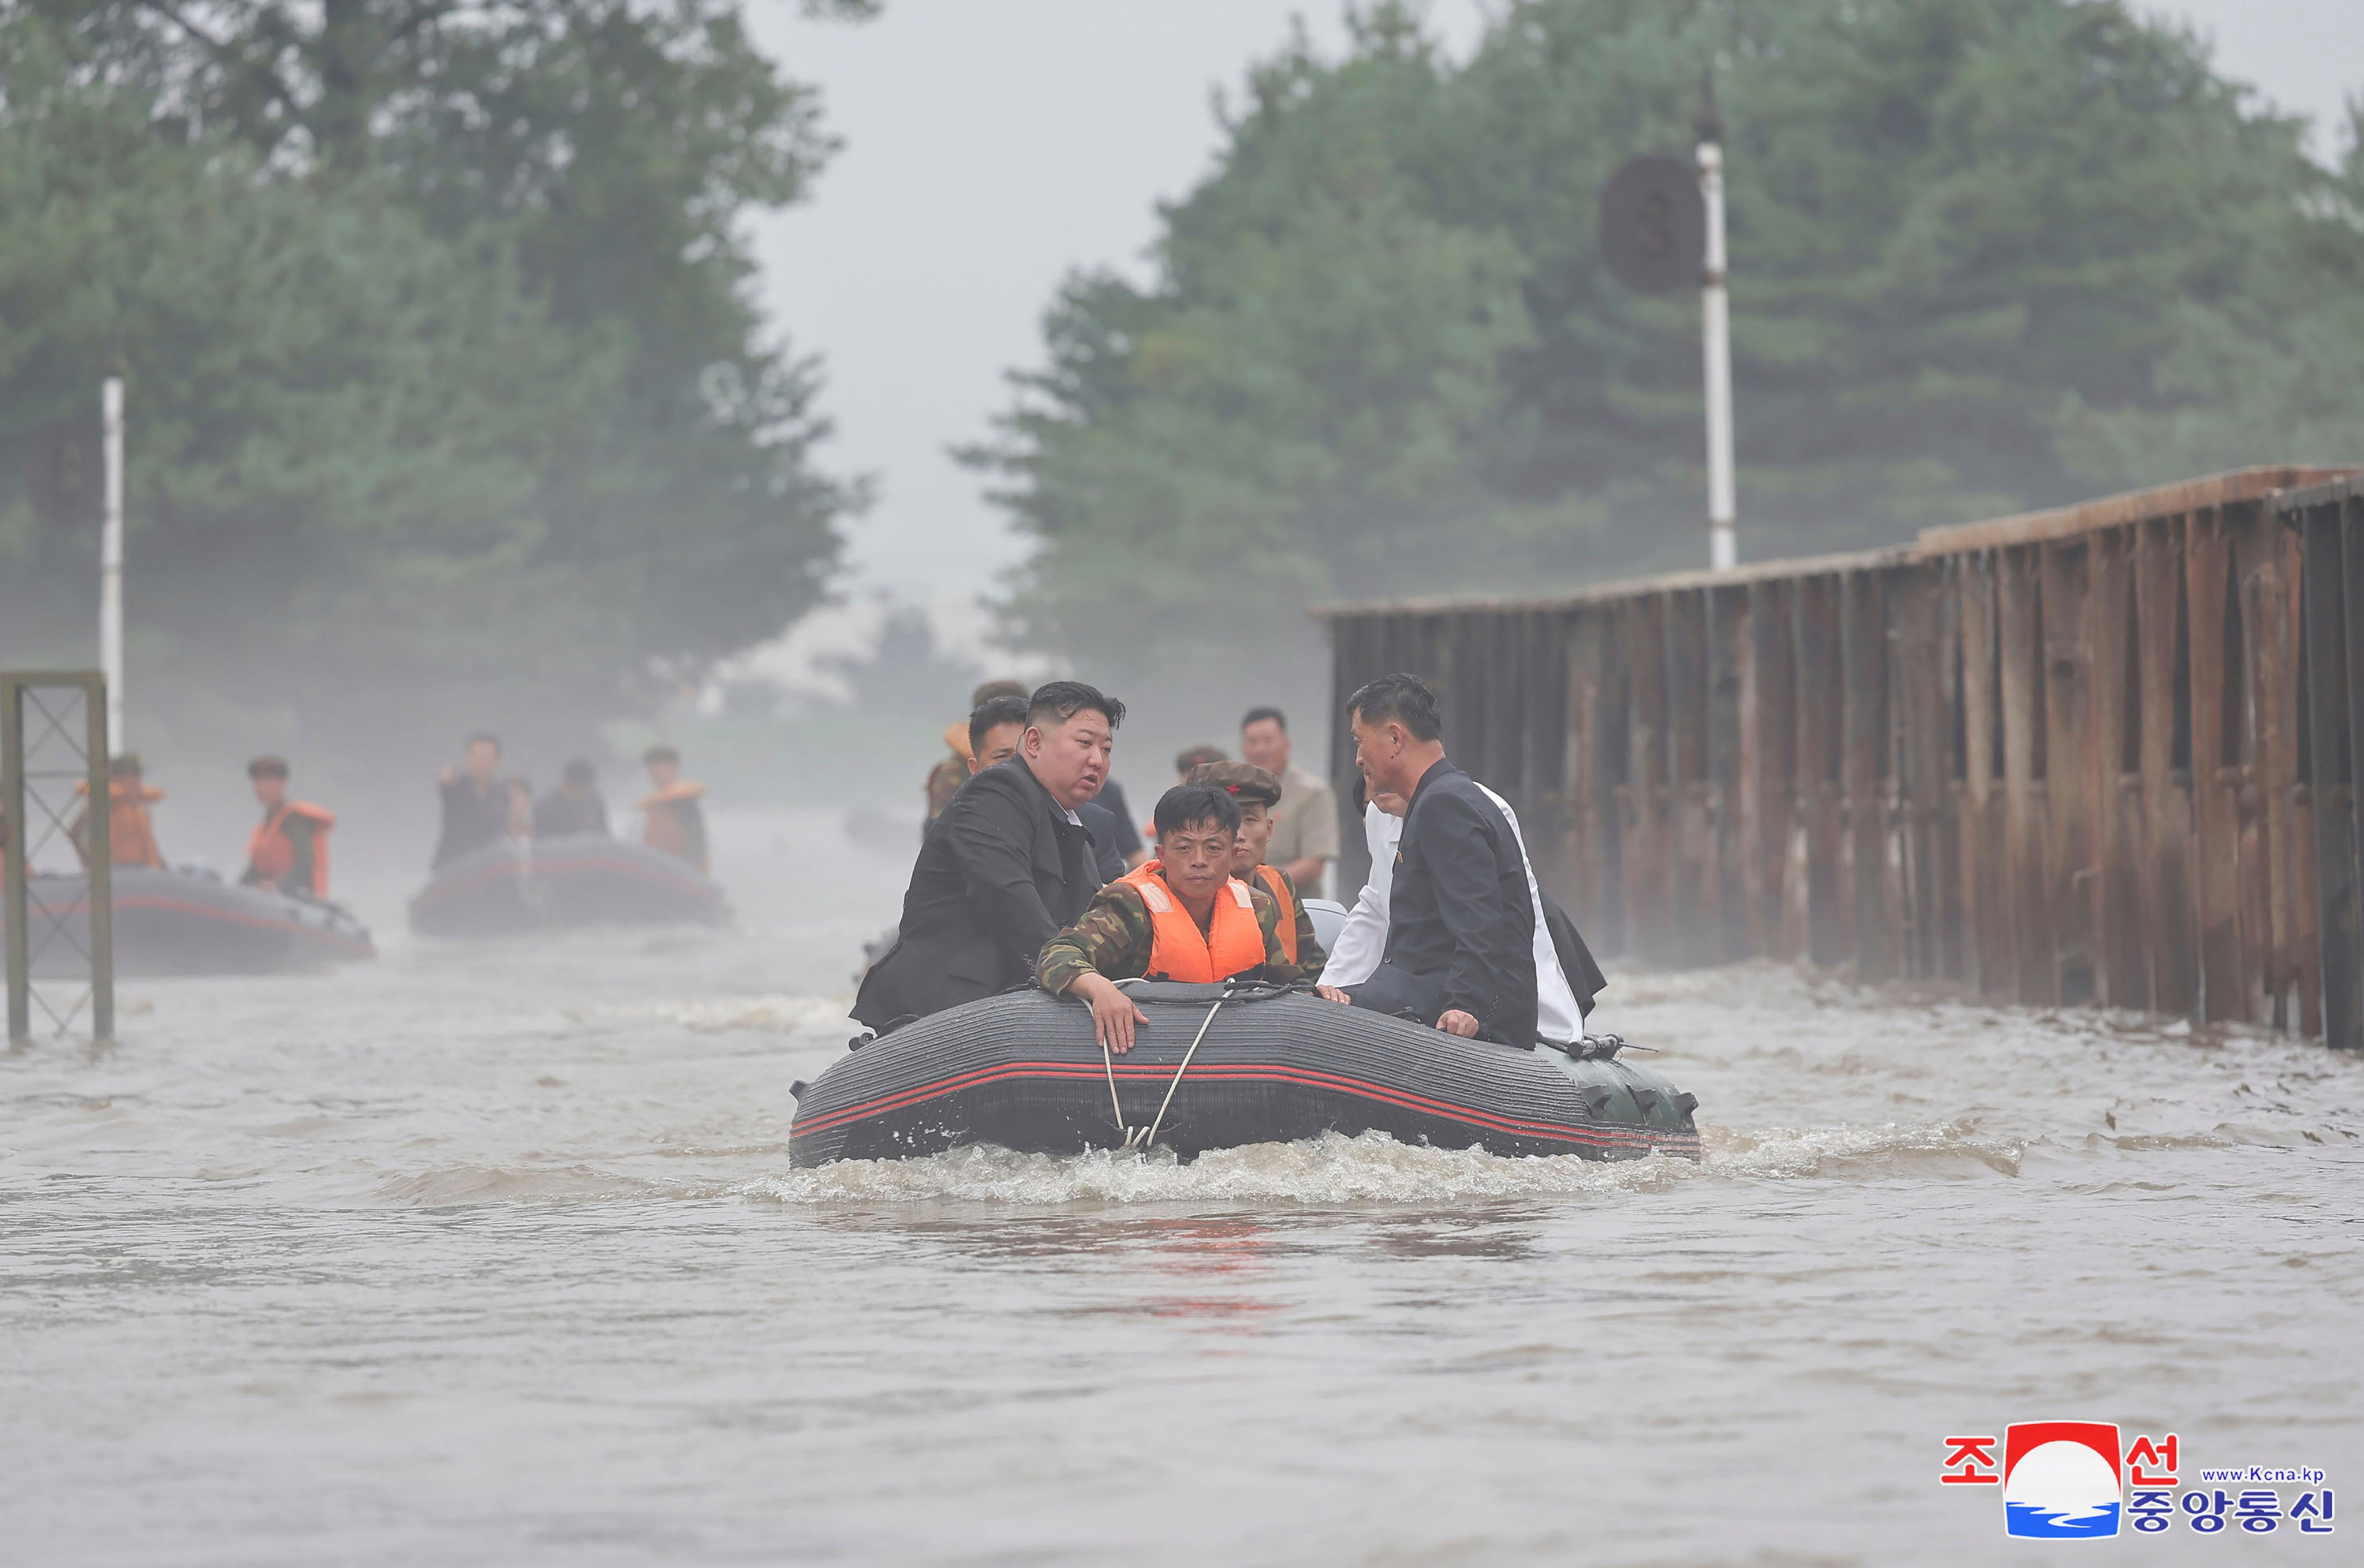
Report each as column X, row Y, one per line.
column 110, row 558
column 1715, row 339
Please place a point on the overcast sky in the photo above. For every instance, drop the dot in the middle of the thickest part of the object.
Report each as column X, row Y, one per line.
column 991, row 146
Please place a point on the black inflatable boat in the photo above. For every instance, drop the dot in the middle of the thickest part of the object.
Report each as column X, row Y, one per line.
column 192, row 922
column 1022, row 1071
column 584, row 879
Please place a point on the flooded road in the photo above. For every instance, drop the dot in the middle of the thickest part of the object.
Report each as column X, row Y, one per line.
column 493, row 1255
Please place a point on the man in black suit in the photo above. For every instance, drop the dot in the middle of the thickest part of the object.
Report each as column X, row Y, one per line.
column 1005, row 867
column 1460, row 921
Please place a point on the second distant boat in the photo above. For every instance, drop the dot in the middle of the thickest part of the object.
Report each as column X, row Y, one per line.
column 584, row 879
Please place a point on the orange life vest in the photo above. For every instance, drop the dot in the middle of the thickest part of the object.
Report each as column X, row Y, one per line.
column 1278, row 885
column 272, row 856
column 130, row 835
column 1232, row 944
column 664, row 829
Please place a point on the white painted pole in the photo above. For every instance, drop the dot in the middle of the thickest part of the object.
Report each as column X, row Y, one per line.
column 110, row 562
column 1715, row 339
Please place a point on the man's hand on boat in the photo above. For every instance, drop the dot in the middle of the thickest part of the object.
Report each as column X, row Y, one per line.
column 1453, row 1020
column 1332, row 994
column 1114, row 1013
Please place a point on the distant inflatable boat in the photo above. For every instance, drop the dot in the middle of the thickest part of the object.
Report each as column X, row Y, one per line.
column 186, row 921
column 580, row 879
column 1022, row 1071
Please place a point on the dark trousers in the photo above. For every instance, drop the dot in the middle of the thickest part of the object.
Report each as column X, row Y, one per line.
column 1401, row 994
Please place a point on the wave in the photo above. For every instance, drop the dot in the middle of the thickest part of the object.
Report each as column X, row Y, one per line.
column 1372, row 1168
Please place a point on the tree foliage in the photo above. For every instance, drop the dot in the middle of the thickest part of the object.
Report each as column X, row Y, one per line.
column 1987, row 254
column 444, row 367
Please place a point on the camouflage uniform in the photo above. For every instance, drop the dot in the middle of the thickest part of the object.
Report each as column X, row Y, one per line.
column 945, row 781
column 1115, row 937
column 1310, row 956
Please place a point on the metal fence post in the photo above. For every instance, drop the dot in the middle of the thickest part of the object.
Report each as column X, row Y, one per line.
column 97, row 720
column 20, row 796
column 13, row 852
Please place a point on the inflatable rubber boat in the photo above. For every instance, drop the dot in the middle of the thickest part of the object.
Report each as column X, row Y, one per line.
column 1219, row 1067
column 189, row 921
column 588, row 879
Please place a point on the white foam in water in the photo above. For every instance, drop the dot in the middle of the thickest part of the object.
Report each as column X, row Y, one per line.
column 1326, row 1169
column 1335, row 1169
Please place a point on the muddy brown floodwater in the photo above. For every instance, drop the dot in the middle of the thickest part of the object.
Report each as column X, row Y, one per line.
column 493, row 1255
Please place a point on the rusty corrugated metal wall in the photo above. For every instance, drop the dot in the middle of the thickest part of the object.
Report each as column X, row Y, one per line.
column 2073, row 756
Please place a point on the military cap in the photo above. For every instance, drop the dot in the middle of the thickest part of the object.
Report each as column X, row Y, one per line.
column 1244, row 781
column 992, row 689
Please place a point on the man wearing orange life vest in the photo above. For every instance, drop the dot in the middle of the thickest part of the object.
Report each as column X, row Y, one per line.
column 130, row 835
column 675, row 822
column 1257, row 793
column 289, row 850
column 1180, row 916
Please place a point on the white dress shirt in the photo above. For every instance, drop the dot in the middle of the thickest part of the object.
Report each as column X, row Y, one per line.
column 1355, row 957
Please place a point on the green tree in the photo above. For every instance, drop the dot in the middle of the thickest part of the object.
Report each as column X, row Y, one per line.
column 499, row 310
column 1987, row 254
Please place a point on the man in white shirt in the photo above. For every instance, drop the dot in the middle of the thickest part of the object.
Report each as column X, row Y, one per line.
column 1355, row 954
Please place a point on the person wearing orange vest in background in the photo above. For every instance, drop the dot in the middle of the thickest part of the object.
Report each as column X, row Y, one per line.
column 1258, row 792
column 130, row 835
column 1181, row 917
column 675, row 822
column 289, row 849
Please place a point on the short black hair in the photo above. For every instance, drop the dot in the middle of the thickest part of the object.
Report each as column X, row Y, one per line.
column 1187, row 805
column 487, row 735
column 1055, row 702
column 1258, row 715
column 1404, row 699
column 659, row 753
column 124, row 766
column 991, row 715
column 267, row 767
column 579, row 772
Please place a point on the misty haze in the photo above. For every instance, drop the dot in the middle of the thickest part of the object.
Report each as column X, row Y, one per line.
column 892, row 781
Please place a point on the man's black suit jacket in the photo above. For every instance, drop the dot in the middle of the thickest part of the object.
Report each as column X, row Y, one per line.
column 1459, row 916
column 1000, row 873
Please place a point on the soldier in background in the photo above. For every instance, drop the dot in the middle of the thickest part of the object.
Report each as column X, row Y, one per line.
column 946, row 777
column 1305, row 838
column 288, row 851
column 675, row 822
column 131, row 832
column 1191, row 757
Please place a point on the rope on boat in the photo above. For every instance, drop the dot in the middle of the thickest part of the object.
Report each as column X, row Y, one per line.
column 1203, row 1025
column 1108, row 1061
